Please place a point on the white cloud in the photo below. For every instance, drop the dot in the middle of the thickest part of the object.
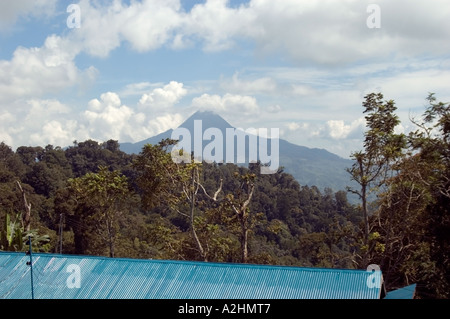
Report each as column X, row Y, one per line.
column 155, row 20
column 237, row 106
column 337, row 129
column 304, row 129
column 105, row 27
column 316, row 102
column 33, row 72
column 163, row 123
column 274, row 108
column 55, row 133
column 136, row 89
column 6, row 117
column 218, row 25
column 99, row 33
column 110, row 99
column 335, row 32
column 303, row 90
column 293, row 126
column 107, row 118
column 48, row 121
column 40, row 110
column 37, row 122
column 110, row 122
column 409, row 86
column 163, row 98
column 160, row 23
column 264, row 85
column 10, row 11
column 321, row 31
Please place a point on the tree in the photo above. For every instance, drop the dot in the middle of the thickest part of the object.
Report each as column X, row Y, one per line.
column 431, row 146
column 85, row 157
column 47, row 168
column 157, row 174
column 11, row 235
column 382, row 147
column 11, row 167
column 164, row 181
column 400, row 245
column 432, row 140
column 101, row 196
column 11, row 170
column 411, row 227
column 26, row 215
column 239, row 204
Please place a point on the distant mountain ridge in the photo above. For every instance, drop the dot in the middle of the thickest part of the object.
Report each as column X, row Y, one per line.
column 209, row 119
column 309, row 166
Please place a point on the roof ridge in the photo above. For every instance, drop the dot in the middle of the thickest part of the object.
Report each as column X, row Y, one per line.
column 195, row 262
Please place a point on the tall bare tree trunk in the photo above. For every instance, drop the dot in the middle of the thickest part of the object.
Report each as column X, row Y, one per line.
column 244, row 242
column 242, row 213
column 364, row 202
column 26, row 216
column 193, row 199
column 109, row 225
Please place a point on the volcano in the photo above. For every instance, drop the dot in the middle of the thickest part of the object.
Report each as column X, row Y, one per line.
column 309, row 166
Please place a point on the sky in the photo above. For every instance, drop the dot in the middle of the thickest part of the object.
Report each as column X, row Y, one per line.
column 128, row 70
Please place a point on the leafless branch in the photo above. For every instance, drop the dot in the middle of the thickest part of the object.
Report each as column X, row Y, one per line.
column 183, row 214
column 214, row 198
column 26, row 216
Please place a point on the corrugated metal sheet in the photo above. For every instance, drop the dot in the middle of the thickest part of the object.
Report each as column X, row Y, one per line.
column 119, row 278
column 407, row 292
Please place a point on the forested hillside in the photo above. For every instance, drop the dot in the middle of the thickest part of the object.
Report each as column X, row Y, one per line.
column 92, row 198
column 101, row 197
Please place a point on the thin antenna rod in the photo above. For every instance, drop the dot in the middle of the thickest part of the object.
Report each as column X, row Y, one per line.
column 30, row 263
column 60, row 232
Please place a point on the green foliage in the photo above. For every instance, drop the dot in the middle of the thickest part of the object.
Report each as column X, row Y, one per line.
column 11, row 235
column 157, row 175
column 47, row 168
column 409, row 228
column 430, row 175
column 100, row 197
column 99, row 200
column 372, row 166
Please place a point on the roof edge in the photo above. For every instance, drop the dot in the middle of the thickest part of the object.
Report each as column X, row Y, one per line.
column 192, row 262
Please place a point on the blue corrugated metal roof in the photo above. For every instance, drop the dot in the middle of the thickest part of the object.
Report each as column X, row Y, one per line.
column 120, row 278
column 402, row 293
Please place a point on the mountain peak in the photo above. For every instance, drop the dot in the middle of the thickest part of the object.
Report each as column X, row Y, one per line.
column 208, row 118
column 205, row 113
column 309, row 166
